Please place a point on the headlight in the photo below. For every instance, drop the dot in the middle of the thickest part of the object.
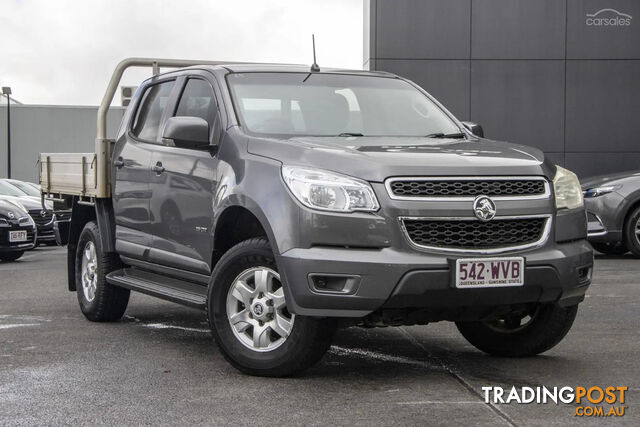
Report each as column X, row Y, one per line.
column 567, row 189
column 329, row 191
column 599, row 191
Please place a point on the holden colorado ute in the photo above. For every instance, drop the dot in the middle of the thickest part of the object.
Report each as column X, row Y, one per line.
column 285, row 201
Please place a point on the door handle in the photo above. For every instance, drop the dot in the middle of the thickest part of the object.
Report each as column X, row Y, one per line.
column 118, row 163
column 158, row 168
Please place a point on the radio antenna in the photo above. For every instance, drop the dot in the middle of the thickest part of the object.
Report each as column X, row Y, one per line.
column 314, row 67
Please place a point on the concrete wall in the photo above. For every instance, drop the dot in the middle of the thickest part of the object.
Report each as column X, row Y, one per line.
column 48, row 128
column 533, row 72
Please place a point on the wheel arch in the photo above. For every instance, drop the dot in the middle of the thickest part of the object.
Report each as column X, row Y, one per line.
column 633, row 205
column 239, row 221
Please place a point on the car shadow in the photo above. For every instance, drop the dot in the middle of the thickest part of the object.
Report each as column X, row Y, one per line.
column 357, row 353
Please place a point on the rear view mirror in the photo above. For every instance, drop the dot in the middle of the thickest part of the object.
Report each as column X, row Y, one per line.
column 186, row 132
column 474, row 128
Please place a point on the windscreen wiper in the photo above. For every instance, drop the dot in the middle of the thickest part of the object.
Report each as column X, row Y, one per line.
column 446, row 135
column 350, row 134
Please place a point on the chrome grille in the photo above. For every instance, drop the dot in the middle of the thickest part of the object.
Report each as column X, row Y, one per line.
column 428, row 188
column 475, row 235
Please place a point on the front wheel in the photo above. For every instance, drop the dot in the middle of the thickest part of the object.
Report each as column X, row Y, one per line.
column 632, row 232
column 249, row 318
column 524, row 333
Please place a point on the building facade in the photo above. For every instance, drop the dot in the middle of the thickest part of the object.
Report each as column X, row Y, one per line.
column 561, row 75
column 48, row 128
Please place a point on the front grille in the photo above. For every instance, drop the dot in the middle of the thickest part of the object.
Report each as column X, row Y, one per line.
column 474, row 234
column 456, row 187
column 39, row 219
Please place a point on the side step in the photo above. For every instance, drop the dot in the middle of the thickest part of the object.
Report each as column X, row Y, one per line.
column 174, row 290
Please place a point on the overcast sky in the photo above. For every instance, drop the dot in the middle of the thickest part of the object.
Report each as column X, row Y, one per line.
column 63, row 51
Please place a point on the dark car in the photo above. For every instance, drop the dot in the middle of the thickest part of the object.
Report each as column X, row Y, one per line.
column 613, row 212
column 43, row 218
column 17, row 231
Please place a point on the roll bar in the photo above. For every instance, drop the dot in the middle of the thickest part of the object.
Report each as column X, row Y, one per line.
column 155, row 64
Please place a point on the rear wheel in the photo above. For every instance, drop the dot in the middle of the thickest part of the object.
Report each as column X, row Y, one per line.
column 11, row 256
column 632, row 232
column 610, row 248
column 249, row 318
column 99, row 301
column 524, row 333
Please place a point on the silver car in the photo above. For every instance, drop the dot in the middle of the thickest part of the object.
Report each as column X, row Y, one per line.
column 613, row 212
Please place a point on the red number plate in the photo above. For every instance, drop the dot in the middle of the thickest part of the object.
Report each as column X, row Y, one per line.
column 489, row 272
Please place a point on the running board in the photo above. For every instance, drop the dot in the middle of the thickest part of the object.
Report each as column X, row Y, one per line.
column 174, row 290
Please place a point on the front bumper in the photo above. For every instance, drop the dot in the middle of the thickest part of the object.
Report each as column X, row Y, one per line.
column 6, row 246
column 351, row 265
column 605, row 216
column 391, row 278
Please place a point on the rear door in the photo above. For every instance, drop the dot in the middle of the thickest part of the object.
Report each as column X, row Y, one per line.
column 183, row 185
column 132, row 163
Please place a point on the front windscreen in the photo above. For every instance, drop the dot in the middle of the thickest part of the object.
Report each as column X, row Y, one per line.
column 323, row 104
column 26, row 188
column 7, row 189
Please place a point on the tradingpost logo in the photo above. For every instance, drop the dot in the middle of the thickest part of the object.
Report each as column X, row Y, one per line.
column 590, row 402
column 608, row 18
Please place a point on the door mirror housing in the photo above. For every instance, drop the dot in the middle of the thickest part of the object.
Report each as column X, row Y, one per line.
column 186, row 132
column 474, row 128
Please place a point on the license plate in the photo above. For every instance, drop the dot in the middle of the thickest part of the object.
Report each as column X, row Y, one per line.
column 489, row 272
column 17, row 236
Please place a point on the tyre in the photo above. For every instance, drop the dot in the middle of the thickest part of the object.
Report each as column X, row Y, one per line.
column 610, row 248
column 631, row 233
column 249, row 317
column 527, row 333
column 99, row 301
column 11, row 256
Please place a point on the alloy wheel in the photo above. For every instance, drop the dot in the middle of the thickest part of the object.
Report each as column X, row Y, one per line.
column 89, row 271
column 257, row 310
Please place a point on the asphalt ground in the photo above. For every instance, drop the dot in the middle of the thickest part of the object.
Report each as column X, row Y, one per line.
column 160, row 366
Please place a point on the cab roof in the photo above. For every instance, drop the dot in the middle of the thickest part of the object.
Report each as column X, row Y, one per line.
column 289, row 68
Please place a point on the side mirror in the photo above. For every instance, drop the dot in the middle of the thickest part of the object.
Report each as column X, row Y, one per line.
column 186, row 132
column 474, row 128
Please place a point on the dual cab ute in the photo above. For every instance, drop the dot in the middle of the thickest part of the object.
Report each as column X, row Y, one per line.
column 286, row 201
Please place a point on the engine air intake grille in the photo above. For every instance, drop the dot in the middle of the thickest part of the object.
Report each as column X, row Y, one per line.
column 474, row 234
column 40, row 219
column 416, row 187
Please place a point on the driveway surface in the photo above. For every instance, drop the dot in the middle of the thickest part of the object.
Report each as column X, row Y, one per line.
column 159, row 364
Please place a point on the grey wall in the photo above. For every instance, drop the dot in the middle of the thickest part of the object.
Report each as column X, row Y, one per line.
column 45, row 128
column 529, row 71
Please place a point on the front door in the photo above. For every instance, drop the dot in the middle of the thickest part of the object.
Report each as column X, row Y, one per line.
column 183, row 183
column 132, row 163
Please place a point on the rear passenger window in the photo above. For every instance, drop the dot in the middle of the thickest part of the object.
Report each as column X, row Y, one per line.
column 154, row 101
column 198, row 101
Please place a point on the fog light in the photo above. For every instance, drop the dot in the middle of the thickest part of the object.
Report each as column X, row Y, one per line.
column 584, row 274
column 334, row 283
